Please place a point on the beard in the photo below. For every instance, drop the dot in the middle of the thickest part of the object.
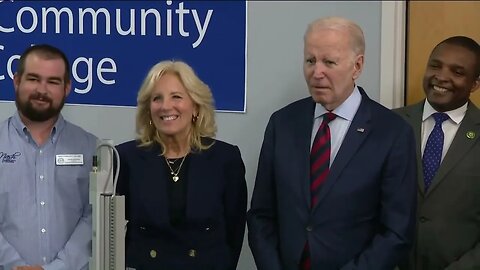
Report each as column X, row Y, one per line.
column 38, row 115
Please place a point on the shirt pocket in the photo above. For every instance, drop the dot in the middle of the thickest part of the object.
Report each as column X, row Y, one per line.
column 71, row 185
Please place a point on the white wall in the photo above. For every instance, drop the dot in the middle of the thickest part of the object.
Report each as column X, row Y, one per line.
column 274, row 78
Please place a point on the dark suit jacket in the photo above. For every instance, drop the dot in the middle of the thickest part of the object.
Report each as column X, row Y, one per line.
column 448, row 229
column 365, row 215
column 215, row 212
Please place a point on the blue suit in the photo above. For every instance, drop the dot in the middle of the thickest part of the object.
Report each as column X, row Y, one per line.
column 211, row 237
column 365, row 215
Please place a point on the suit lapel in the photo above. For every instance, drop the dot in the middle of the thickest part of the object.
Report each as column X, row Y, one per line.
column 414, row 118
column 302, row 138
column 199, row 177
column 356, row 135
column 461, row 144
column 154, row 175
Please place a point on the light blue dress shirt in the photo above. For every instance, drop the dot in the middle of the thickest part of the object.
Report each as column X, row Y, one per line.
column 340, row 125
column 45, row 216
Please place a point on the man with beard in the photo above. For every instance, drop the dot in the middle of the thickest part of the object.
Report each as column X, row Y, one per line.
column 447, row 129
column 45, row 217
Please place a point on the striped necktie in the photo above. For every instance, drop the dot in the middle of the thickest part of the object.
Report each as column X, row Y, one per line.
column 320, row 157
column 319, row 169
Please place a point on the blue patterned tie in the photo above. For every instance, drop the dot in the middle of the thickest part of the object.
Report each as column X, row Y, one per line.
column 432, row 155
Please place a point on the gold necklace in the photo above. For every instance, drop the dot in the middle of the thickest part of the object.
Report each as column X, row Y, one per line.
column 174, row 173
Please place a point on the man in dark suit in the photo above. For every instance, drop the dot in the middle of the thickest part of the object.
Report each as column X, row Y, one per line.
column 448, row 229
column 349, row 201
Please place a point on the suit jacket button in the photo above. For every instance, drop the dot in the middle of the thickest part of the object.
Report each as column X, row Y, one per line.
column 423, row 219
column 309, row 228
column 192, row 253
column 153, row 253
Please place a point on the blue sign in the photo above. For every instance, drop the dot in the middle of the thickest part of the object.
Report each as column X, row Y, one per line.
column 111, row 45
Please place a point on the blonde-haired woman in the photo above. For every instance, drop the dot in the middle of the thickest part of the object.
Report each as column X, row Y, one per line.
column 186, row 191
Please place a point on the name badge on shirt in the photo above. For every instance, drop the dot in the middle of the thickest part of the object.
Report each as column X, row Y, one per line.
column 69, row 159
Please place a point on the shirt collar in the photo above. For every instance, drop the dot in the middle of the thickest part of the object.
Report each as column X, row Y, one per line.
column 456, row 115
column 23, row 130
column 346, row 110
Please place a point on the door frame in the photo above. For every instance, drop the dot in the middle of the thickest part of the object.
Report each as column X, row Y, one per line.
column 392, row 53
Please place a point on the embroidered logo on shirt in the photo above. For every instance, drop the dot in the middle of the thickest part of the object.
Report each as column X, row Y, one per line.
column 12, row 158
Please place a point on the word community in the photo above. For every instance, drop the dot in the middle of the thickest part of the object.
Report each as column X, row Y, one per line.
column 124, row 22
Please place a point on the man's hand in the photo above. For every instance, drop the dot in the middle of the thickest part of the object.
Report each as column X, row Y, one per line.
column 28, row 267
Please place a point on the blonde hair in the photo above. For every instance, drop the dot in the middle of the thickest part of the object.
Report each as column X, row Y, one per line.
column 338, row 23
column 203, row 124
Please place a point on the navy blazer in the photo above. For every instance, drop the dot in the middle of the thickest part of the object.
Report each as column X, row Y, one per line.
column 365, row 215
column 212, row 235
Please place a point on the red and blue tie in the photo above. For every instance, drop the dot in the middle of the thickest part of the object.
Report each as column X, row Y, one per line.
column 320, row 157
column 319, row 169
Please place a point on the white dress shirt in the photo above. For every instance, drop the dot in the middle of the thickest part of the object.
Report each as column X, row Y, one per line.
column 449, row 126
